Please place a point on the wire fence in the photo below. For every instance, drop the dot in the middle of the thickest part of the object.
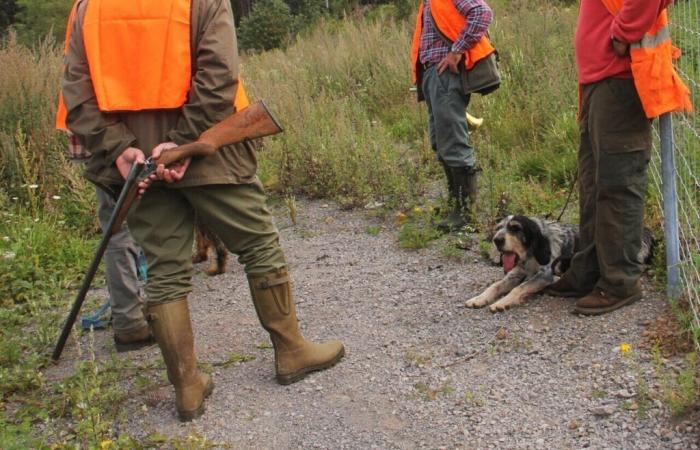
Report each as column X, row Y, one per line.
column 683, row 138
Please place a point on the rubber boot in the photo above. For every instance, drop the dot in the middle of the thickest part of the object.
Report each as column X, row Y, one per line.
column 450, row 180
column 172, row 329
column 295, row 357
column 463, row 198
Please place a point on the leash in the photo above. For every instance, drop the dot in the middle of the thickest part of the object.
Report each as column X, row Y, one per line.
column 568, row 197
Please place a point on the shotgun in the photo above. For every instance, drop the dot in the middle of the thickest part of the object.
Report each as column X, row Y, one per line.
column 250, row 123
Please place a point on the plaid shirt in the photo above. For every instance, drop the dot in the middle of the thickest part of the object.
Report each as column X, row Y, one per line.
column 433, row 47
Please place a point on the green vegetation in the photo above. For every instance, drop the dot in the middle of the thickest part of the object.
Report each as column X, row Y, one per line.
column 354, row 133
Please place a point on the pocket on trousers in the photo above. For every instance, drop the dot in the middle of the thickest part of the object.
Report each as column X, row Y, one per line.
column 619, row 118
column 623, row 169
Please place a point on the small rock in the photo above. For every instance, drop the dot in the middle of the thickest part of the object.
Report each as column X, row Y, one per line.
column 501, row 333
column 624, row 393
column 574, row 425
column 603, row 411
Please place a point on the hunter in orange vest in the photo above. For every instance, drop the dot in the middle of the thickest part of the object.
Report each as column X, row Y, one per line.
column 626, row 76
column 659, row 87
column 448, row 41
column 139, row 74
column 142, row 76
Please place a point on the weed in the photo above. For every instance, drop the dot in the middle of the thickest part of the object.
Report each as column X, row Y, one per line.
column 427, row 393
column 475, row 398
column 373, row 230
column 598, row 394
column 416, row 359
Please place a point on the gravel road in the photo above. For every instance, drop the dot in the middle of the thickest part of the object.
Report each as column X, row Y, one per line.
column 421, row 370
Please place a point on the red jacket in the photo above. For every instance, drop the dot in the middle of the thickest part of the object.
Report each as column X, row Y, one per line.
column 595, row 59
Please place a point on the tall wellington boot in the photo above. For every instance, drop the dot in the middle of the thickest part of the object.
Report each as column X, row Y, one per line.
column 172, row 329
column 462, row 196
column 295, row 357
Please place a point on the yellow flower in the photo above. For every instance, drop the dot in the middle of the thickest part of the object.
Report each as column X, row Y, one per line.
column 625, row 348
column 417, row 210
column 104, row 445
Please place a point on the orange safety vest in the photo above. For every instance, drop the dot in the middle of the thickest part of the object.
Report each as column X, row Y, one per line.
column 660, row 88
column 449, row 22
column 139, row 56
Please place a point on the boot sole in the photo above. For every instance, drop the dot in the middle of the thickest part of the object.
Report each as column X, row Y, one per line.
column 565, row 294
column 598, row 311
column 300, row 375
column 123, row 347
column 187, row 416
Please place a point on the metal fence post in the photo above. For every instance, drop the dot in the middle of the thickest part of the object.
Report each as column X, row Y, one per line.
column 670, row 200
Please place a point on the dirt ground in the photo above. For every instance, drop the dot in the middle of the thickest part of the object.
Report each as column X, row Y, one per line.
column 421, row 371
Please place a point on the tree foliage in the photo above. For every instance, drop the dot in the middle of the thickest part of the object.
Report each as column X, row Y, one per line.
column 268, row 26
column 38, row 18
column 8, row 11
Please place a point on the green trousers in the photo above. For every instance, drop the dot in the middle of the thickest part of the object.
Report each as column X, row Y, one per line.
column 162, row 222
column 613, row 157
column 447, row 122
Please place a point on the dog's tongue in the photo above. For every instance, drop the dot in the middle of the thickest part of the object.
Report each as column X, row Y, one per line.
column 508, row 260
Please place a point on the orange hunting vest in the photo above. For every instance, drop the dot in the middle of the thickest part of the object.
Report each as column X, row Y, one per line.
column 660, row 88
column 449, row 22
column 139, row 56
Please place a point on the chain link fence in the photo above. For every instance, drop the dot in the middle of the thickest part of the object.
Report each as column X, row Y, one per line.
column 676, row 161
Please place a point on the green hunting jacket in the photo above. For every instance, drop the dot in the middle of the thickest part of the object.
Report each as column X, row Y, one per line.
column 210, row 99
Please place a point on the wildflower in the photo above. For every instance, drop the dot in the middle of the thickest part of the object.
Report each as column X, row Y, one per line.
column 56, row 197
column 106, row 444
column 6, row 238
column 15, row 198
column 625, row 348
column 418, row 210
column 33, row 186
column 9, row 255
column 400, row 218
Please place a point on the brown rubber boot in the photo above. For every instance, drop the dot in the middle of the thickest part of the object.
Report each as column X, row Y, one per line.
column 133, row 340
column 295, row 357
column 173, row 332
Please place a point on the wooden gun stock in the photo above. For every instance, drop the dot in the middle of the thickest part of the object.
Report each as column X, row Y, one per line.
column 253, row 122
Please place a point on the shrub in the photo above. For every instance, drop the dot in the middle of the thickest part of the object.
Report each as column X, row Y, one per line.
column 268, row 26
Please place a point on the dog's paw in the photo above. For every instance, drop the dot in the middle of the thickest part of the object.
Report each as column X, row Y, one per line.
column 499, row 307
column 476, row 302
column 504, row 304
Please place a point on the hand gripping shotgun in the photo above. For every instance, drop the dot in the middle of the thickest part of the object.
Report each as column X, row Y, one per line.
column 253, row 122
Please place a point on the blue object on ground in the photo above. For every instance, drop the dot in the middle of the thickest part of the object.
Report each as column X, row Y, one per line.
column 97, row 320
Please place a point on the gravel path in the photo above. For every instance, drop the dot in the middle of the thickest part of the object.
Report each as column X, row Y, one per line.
column 421, row 370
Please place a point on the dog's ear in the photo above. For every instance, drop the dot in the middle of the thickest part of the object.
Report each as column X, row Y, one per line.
column 536, row 240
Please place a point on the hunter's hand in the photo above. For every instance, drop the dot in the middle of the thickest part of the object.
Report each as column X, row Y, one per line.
column 175, row 171
column 620, row 48
column 126, row 160
column 451, row 61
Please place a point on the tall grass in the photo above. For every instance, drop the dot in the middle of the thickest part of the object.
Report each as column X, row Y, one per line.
column 32, row 153
column 355, row 132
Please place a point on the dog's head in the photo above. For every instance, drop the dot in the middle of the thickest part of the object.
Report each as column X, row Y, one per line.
column 518, row 237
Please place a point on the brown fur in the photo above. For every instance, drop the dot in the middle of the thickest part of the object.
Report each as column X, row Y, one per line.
column 206, row 240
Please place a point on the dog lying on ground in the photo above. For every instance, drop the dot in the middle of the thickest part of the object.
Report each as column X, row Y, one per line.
column 206, row 241
column 532, row 253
